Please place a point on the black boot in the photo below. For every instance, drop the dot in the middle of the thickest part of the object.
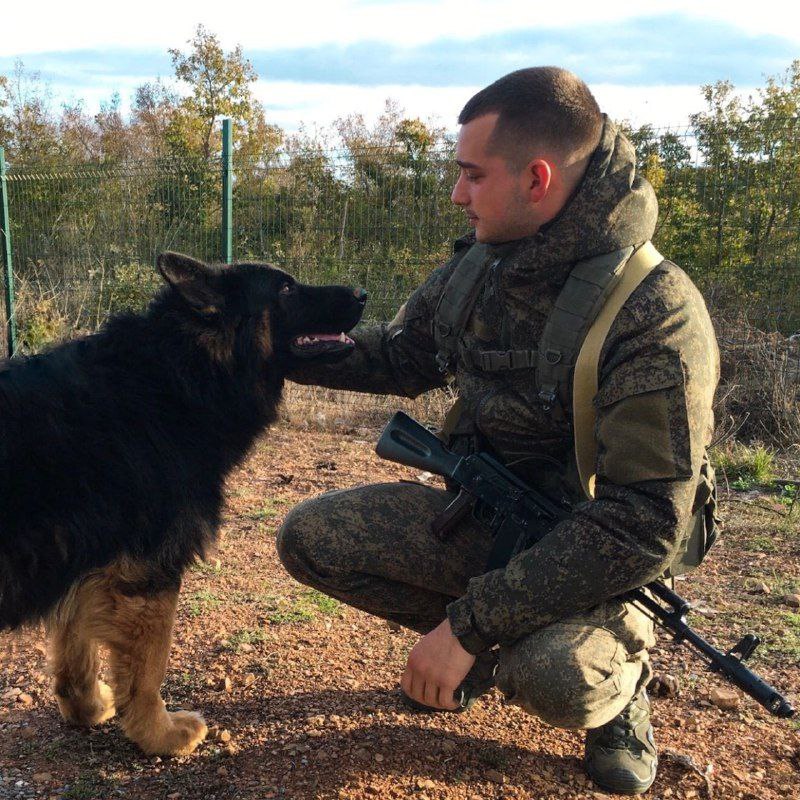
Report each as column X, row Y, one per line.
column 621, row 755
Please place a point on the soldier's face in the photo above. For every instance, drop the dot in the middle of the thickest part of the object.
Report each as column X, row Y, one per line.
column 495, row 198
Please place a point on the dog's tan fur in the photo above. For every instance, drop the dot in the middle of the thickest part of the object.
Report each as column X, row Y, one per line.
column 137, row 631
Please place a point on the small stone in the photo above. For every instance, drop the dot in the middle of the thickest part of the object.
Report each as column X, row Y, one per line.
column 792, row 600
column 42, row 777
column 425, row 784
column 378, row 757
column 25, row 699
column 228, row 684
column 726, row 699
column 246, row 647
column 230, row 750
column 249, row 679
column 495, row 777
column 665, row 685
column 174, row 796
column 224, row 736
column 222, row 772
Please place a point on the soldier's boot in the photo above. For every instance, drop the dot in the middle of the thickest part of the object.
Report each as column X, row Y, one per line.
column 478, row 681
column 621, row 755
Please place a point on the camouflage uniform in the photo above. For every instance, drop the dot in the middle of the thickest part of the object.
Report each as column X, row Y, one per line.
column 567, row 652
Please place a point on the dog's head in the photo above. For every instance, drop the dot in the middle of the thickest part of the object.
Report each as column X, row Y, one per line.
column 248, row 303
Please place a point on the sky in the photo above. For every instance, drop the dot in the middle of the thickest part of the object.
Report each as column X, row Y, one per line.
column 321, row 60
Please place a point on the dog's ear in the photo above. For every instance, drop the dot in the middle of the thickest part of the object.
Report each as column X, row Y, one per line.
column 194, row 280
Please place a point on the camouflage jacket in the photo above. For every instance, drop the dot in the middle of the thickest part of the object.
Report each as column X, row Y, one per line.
column 657, row 375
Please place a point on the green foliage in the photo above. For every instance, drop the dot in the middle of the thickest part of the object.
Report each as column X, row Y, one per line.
column 761, row 544
column 247, row 636
column 303, row 607
column 200, row 601
column 219, row 83
column 745, row 466
column 41, row 323
column 132, row 286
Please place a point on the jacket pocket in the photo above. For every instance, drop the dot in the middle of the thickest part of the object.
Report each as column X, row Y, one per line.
column 642, row 422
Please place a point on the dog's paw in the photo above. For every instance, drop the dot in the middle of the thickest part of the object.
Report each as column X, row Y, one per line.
column 87, row 711
column 179, row 734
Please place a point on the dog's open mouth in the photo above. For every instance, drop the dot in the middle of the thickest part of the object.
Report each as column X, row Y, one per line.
column 312, row 345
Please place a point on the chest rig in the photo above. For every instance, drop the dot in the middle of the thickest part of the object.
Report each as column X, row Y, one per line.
column 553, row 358
column 590, row 299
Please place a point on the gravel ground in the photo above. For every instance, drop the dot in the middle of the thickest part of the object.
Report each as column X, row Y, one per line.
column 300, row 692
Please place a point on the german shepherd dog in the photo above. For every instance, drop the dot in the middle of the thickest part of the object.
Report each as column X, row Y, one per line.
column 113, row 453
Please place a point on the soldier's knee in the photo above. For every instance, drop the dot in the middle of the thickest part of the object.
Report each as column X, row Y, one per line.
column 569, row 678
column 294, row 537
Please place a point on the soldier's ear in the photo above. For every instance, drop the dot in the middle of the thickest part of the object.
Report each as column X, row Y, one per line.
column 195, row 281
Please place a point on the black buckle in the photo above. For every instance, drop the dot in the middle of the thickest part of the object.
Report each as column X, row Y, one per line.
column 552, row 356
column 547, row 397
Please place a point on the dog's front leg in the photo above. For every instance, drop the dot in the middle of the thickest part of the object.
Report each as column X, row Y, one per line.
column 139, row 640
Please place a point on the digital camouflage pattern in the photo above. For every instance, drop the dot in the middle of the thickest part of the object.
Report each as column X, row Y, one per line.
column 658, row 371
column 372, row 547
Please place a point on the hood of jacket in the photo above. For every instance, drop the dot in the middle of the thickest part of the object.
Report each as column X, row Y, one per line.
column 613, row 207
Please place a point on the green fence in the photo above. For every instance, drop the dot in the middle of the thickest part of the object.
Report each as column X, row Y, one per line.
column 84, row 239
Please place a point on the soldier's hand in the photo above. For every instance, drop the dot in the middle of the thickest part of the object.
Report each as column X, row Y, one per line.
column 436, row 666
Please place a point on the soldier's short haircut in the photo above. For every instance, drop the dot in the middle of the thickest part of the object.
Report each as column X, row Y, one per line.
column 538, row 106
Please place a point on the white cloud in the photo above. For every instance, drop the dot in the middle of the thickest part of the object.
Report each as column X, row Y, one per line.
column 55, row 25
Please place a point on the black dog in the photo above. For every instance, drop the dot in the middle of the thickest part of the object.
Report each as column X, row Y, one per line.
column 113, row 453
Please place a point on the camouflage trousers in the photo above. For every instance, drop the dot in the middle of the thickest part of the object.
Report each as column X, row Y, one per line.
column 372, row 548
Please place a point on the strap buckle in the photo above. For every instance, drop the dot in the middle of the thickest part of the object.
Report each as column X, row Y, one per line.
column 547, row 397
column 442, row 362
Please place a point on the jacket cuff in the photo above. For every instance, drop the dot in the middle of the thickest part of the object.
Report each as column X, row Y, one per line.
column 462, row 624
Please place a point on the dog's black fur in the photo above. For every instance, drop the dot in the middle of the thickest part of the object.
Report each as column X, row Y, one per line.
column 118, row 444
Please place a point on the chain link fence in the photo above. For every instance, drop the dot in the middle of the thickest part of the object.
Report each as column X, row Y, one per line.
column 84, row 240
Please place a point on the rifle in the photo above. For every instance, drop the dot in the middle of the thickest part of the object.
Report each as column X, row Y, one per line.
column 519, row 516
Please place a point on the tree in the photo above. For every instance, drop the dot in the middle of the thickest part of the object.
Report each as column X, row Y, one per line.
column 220, row 86
column 32, row 132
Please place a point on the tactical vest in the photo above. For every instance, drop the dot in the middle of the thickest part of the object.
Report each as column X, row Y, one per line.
column 583, row 296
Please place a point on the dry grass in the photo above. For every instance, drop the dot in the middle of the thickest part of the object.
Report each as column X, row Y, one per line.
column 759, row 391
column 318, row 409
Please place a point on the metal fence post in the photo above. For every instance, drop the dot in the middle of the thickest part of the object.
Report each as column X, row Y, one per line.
column 227, row 191
column 5, row 235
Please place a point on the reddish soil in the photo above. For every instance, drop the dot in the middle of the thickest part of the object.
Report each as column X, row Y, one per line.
column 301, row 690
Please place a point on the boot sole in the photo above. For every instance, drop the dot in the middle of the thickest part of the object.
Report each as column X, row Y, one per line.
column 623, row 782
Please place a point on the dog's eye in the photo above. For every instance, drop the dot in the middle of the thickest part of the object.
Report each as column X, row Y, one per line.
column 286, row 288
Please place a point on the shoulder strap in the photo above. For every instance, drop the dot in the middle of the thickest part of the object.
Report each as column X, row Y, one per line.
column 585, row 381
column 456, row 303
column 586, row 289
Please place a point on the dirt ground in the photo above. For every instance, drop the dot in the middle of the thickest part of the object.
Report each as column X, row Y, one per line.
column 300, row 691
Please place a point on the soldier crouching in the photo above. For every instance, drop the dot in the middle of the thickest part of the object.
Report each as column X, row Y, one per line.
column 550, row 186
